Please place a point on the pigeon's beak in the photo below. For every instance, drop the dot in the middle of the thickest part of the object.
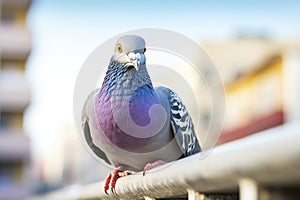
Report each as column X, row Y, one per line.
column 135, row 59
column 132, row 64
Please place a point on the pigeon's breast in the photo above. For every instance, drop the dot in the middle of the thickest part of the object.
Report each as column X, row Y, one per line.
column 116, row 110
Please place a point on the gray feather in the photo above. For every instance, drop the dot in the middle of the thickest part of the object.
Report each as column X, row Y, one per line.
column 181, row 123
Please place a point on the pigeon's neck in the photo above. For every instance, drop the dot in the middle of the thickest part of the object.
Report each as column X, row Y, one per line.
column 121, row 82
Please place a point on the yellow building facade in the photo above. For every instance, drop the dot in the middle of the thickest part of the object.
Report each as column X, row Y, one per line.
column 255, row 100
column 261, row 82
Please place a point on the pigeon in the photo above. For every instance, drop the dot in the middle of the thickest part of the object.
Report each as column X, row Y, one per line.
column 131, row 124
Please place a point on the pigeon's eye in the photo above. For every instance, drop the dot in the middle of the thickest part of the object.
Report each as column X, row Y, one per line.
column 144, row 50
column 120, row 49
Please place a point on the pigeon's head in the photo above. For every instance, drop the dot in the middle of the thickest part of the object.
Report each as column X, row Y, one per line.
column 130, row 51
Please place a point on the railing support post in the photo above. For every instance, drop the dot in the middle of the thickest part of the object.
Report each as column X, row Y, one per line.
column 193, row 195
column 248, row 189
column 149, row 198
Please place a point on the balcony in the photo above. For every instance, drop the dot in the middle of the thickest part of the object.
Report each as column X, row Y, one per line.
column 13, row 146
column 14, row 91
column 15, row 42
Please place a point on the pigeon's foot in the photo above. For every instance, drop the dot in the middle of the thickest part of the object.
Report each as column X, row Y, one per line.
column 111, row 179
column 153, row 165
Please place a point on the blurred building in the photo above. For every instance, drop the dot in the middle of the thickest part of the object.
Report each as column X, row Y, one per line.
column 15, row 46
column 79, row 166
column 261, row 83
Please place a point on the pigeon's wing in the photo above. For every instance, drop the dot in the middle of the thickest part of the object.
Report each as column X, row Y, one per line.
column 85, row 119
column 182, row 125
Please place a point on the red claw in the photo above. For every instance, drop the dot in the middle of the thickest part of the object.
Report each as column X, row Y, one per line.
column 114, row 178
column 107, row 181
column 153, row 165
column 111, row 179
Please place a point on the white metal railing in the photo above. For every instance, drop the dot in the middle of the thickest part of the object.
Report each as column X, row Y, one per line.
column 270, row 158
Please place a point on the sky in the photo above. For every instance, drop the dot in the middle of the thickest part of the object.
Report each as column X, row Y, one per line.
column 65, row 32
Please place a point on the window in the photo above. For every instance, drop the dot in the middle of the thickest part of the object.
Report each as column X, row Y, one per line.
column 13, row 15
column 12, row 65
column 7, row 17
column 10, row 172
column 11, row 120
